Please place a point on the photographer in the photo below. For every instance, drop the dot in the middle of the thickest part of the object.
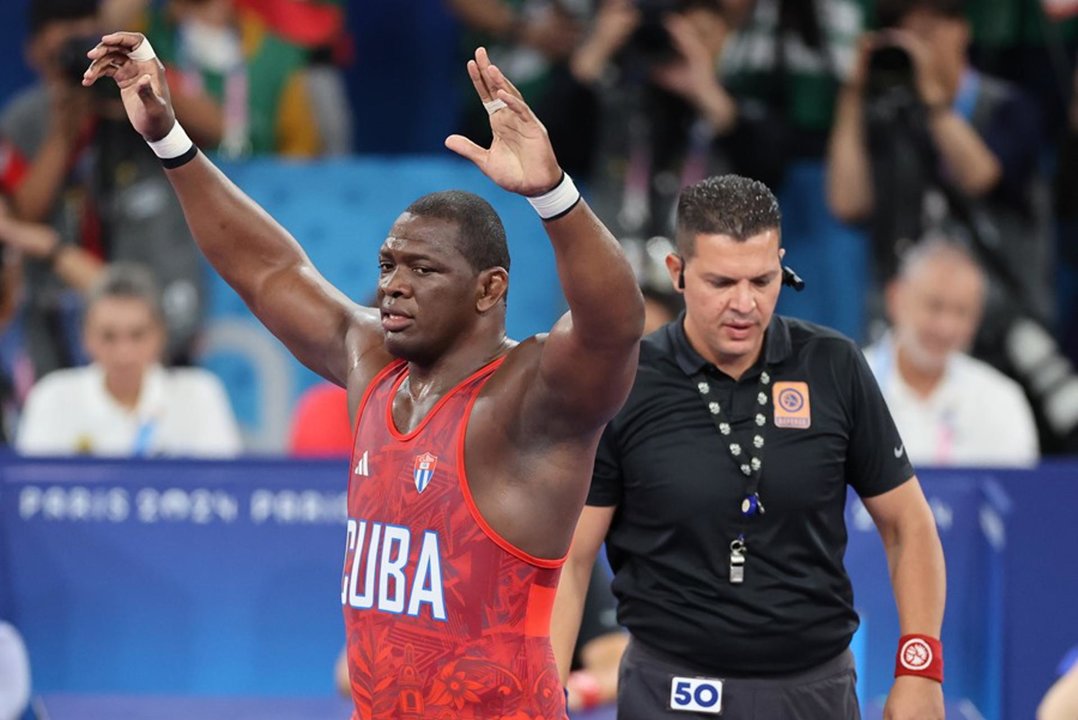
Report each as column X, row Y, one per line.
column 531, row 40
column 653, row 66
column 784, row 66
column 96, row 183
column 924, row 142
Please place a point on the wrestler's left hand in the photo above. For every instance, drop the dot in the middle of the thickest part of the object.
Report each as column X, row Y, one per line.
column 520, row 158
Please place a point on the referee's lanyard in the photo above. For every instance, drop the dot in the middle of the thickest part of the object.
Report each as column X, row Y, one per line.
column 749, row 458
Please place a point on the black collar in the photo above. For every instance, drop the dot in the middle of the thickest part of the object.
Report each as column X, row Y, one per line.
column 777, row 347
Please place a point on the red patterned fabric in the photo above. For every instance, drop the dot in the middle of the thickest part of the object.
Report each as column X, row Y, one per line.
column 445, row 619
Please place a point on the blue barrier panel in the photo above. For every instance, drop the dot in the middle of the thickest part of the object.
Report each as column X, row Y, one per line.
column 141, row 707
column 185, row 578
column 970, row 516
column 201, row 578
column 1041, row 591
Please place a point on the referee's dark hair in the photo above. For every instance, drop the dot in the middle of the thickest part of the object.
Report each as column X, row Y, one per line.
column 731, row 205
column 481, row 235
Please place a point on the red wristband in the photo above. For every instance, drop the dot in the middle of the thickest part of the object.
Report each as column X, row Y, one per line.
column 919, row 655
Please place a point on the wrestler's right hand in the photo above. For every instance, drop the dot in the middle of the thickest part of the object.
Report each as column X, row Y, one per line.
column 140, row 76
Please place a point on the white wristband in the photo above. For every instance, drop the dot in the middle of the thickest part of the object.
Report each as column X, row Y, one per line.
column 173, row 145
column 558, row 201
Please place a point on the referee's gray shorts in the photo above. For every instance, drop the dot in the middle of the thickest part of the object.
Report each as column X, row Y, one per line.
column 825, row 692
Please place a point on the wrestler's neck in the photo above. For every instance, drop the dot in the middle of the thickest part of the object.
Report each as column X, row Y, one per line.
column 435, row 378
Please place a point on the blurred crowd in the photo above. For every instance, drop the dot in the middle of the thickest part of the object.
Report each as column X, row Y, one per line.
column 923, row 152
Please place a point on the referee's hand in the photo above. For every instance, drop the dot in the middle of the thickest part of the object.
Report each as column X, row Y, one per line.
column 127, row 58
column 914, row 698
column 520, row 158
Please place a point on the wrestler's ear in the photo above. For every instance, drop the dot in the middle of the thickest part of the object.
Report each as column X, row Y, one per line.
column 491, row 288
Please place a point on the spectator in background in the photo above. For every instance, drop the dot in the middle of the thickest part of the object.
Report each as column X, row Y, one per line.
column 922, row 142
column 654, row 72
column 76, row 267
column 317, row 26
column 126, row 403
column 693, row 88
column 320, row 425
column 950, row 408
column 12, row 168
column 784, row 67
column 10, row 290
column 92, row 178
column 531, row 40
column 14, row 674
column 239, row 87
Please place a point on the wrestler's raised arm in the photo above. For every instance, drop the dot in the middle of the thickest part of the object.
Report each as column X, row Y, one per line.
column 323, row 328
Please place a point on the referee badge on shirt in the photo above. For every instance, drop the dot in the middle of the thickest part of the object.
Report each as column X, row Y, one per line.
column 424, row 470
column 792, row 407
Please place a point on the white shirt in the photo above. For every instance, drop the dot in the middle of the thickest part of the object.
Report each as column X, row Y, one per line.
column 180, row 412
column 14, row 674
column 975, row 416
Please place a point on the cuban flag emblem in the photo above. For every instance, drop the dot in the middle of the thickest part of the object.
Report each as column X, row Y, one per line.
column 424, row 470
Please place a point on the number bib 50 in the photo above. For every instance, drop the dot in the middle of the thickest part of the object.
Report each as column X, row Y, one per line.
column 700, row 695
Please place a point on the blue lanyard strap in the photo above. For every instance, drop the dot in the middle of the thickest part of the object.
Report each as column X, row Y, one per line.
column 143, row 438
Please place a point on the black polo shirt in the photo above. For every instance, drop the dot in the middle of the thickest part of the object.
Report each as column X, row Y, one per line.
column 678, row 491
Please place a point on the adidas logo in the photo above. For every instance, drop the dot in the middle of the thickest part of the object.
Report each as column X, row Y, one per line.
column 361, row 466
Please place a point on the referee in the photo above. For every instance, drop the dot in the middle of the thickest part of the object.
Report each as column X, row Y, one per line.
column 720, row 491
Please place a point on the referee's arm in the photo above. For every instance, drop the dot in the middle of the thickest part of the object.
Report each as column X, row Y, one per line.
column 919, row 582
column 914, row 556
column 573, row 585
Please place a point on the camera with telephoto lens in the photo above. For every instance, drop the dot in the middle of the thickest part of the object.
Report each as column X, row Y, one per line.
column 890, row 68
column 72, row 62
column 890, row 86
column 71, row 58
column 650, row 41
